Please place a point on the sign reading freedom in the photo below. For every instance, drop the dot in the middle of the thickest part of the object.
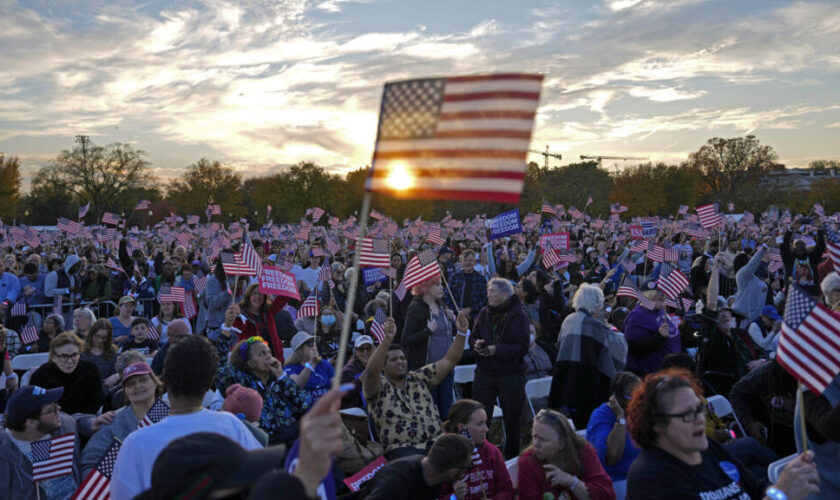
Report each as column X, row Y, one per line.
column 505, row 224
column 557, row 241
column 275, row 281
column 372, row 275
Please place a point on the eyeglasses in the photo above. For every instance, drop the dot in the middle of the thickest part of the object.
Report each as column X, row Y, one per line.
column 67, row 357
column 691, row 415
column 52, row 410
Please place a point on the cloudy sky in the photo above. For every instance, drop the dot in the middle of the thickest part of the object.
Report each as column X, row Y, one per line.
column 263, row 84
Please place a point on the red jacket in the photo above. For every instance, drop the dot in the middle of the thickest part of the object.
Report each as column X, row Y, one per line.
column 249, row 328
column 492, row 472
column 533, row 483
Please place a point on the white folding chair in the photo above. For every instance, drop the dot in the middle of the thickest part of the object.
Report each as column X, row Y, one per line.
column 721, row 407
column 535, row 389
column 513, row 471
column 23, row 362
column 463, row 374
column 774, row 469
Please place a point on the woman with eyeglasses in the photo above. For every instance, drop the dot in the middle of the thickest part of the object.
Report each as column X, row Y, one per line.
column 284, row 403
column 607, row 428
column 83, row 392
column 561, row 464
column 666, row 418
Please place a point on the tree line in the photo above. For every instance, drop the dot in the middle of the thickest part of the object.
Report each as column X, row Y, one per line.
column 114, row 177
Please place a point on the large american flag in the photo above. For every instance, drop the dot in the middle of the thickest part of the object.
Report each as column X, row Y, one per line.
column 97, row 484
column 420, row 268
column 375, row 252
column 463, row 138
column 53, row 457
column 156, row 413
column 809, row 347
column 709, row 215
column 377, row 326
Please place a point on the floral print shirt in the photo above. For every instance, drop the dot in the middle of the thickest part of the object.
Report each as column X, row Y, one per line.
column 406, row 417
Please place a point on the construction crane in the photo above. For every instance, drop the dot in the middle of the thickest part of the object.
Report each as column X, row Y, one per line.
column 623, row 158
column 546, row 154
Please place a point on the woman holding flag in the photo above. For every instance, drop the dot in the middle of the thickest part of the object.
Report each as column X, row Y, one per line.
column 142, row 390
column 257, row 319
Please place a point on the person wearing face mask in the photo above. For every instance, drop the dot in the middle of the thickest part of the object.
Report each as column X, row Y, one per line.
column 589, row 355
column 801, row 264
column 328, row 333
column 728, row 352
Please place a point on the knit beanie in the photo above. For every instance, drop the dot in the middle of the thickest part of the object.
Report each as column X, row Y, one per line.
column 243, row 400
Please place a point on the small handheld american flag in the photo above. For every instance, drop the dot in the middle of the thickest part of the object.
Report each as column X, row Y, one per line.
column 377, row 328
column 156, row 413
column 53, row 457
column 19, row 309
column 309, row 307
column 97, row 484
column 29, row 334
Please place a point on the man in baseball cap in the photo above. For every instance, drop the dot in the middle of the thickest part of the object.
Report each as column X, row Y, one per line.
column 32, row 414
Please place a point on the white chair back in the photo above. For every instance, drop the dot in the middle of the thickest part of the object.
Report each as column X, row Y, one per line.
column 535, row 389
column 513, row 471
column 26, row 361
column 721, row 407
column 464, row 374
column 774, row 469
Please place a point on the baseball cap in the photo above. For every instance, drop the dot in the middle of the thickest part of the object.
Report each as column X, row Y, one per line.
column 362, row 340
column 27, row 399
column 207, row 462
column 139, row 368
column 299, row 339
column 126, row 299
column 771, row 312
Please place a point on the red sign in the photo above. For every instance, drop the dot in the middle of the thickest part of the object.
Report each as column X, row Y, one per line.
column 275, row 281
column 353, row 482
column 557, row 241
column 636, row 232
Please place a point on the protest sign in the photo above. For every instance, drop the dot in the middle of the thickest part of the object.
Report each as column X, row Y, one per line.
column 557, row 241
column 373, row 275
column 275, row 281
column 505, row 224
column 355, row 481
column 636, row 232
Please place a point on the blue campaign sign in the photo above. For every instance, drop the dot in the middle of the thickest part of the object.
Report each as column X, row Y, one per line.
column 373, row 275
column 326, row 490
column 505, row 224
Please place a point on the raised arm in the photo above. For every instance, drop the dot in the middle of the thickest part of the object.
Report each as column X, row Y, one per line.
column 372, row 376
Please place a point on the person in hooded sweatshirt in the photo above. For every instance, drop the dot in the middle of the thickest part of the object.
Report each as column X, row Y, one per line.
column 489, row 478
column 61, row 283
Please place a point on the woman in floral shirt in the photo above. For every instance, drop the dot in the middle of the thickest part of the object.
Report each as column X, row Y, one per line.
column 252, row 365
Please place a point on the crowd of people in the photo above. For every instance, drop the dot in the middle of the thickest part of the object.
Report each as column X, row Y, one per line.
column 227, row 391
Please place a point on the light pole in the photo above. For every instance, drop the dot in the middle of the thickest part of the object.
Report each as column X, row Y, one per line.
column 149, row 221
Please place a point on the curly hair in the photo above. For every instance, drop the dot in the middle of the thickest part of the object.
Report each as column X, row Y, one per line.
column 647, row 406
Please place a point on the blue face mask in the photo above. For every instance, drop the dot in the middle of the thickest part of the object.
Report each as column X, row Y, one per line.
column 328, row 320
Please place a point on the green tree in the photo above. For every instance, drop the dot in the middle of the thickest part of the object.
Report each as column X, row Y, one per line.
column 207, row 182
column 732, row 166
column 9, row 186
column 101, row 175
column 821, row 165
column 48, row 200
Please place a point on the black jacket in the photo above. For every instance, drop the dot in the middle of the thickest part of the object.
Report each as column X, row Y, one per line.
column 83, row 392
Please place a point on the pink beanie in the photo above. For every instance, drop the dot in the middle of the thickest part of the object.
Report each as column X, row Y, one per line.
column 243, row 400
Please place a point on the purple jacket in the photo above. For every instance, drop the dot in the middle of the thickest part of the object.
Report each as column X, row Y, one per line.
column 646, row 348
column 513, row 344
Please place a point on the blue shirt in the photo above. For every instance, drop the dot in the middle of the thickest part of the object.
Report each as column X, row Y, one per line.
column 599, row 427
column 119, row 329
column 37, row 296
column 319, row 380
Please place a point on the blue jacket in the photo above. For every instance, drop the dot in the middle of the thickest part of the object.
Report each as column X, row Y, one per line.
column 37, row 296
column 752, row 291
column 600, row 425
column 9, row 288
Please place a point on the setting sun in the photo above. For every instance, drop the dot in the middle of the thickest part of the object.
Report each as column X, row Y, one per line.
column 399, row 177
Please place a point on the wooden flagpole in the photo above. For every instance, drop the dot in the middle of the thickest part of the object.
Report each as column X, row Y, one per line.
column 451, row 295
column 351, row 294
column 802, row 425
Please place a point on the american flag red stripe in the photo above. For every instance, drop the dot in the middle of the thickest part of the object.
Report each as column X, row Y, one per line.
column 467, row 139
column 809, row 346
column 657, row 254
column 53, row 457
